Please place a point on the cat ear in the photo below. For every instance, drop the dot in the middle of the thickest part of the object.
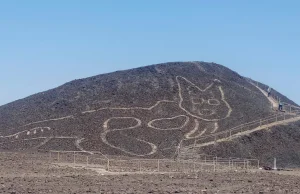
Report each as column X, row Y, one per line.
column 215, row 85
column 185, row 84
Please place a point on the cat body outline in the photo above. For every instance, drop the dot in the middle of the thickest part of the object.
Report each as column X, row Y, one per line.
column 192, row 109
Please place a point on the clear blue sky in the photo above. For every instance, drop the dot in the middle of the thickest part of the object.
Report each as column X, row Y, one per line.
column 44, row 44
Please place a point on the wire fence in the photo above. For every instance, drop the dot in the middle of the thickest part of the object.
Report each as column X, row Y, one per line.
column 198, row 163
column 239, row 130
column 208, row 164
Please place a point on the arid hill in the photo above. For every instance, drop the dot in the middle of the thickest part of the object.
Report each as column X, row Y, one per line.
column 144, row 112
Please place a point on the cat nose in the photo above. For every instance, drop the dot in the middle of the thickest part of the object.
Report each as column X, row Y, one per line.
column 206, row 112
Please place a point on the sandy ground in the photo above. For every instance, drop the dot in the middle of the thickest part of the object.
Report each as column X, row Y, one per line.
column 32, row 173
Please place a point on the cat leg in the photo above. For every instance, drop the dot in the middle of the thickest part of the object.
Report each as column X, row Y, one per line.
column 171, row 131
column 215, row 127
column 201, row 128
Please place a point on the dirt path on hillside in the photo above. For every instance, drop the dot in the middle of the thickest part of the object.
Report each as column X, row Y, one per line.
column 249, row 132
column 271, row 99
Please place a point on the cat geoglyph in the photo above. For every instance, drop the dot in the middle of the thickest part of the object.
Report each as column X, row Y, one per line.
column 197, row 112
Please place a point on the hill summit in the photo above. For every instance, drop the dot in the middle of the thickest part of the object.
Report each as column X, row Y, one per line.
column 144, row 112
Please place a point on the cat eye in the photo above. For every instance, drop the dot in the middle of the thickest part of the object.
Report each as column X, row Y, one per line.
column 197, row 100
column 214, row 102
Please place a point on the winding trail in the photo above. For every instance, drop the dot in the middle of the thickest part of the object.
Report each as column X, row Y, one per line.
column 235, row 136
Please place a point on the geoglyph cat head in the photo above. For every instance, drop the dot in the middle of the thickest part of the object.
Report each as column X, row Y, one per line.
column 208, row 104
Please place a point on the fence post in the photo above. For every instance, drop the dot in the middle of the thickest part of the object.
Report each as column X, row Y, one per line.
column 157, row 165
column 194, row 145
column 87, row 161
column 275, row 165
column 230, row 133
column 214, row 165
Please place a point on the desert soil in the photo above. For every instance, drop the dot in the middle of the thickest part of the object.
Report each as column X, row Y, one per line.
column 33, row 173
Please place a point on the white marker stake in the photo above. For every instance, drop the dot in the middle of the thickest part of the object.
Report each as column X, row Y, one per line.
column 275, row 166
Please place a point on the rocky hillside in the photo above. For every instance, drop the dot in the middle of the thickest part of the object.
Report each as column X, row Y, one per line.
column 144, row 112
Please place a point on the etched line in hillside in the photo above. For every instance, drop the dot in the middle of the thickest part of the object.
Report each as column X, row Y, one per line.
column 78, row 146
column 224, row 100
column 106, row 123
column 186, row 113
column 130, row 108
column 43, row 121
column 36, row 138
column 65, row 137
column 201, row 90
column 153, row 146
column 190, row 134
column 27, row 132
column 150, row 124
column 57, row 119
column 108, row 130
column 193, row 131
column 47, row 139
column 191, row 83
column 216, row 127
